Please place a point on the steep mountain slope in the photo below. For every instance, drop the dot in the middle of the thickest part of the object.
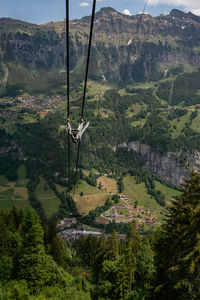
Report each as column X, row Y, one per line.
column 125, row 49
column 138, row 130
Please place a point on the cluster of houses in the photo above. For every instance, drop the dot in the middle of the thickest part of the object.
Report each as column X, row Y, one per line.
column 40, row 105
column 6, row 107
column 67, row 223
column 71, row 235
column 125, row 197
column 127, row 211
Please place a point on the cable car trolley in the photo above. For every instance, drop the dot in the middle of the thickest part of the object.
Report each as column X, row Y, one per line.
column 76, row 134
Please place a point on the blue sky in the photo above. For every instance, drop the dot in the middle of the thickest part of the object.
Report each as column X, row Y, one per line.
column 41, row 11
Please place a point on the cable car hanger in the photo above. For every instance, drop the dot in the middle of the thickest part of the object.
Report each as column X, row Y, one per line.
column 76, row 134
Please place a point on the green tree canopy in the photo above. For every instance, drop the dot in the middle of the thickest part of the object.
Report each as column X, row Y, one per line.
column 178, row 246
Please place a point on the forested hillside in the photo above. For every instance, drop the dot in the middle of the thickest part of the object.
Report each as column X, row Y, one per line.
column 124, row 49
column 136, row 131
column 36, row 263
column 125, row 225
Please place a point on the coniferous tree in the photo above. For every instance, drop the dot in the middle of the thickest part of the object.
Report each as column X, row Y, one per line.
column 144, row 275
column 112, row 247
column 132, row 247
column 10, row 243
column 34, row 265
column 88, row 249
column 111, row 280
column 31, row 259
column 26, row 271
column 178, row 247
column 3, row 236
column 56, row 246
column 133, row 238
column 17, row 216
column 100, row 256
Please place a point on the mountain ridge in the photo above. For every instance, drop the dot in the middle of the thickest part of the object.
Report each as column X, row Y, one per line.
column 125, row 48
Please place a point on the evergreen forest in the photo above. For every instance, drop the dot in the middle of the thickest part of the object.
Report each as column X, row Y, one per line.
column 132, row 183
column 35, row 263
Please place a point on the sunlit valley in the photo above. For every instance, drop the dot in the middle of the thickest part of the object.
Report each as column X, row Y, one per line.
column 104, row 226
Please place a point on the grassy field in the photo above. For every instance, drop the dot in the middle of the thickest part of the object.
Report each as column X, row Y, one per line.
column 47, row 197
column 10, row 202
column 9, row 124
column 196, row 123
column 139, row 123
column 123, row 92
column 178, row 124
column 3, row 180
column 11, row 194
column 29, row 118
column 86, row 172
column 144, row 86
column 92, row 196
column 60, row 188
column 87, row 189
column 108, row 184
column 167, row 191
column 86, row 203
column 105, row 113
column 22, row 172
column 96, row 91
column 21, row 191
column 21, row 180
column 139, row 192
column 133, row 110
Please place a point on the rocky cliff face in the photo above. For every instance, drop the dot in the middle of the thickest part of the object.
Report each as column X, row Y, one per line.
column 167, row 166
column 125, row 48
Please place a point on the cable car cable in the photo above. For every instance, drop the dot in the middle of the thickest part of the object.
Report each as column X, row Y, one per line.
column 88, row 57
column 67, row 53
column 85, row 86
column 84, row 92
column 145, row 5
column 68, row 107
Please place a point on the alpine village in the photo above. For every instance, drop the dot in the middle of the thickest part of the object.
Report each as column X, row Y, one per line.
column 100, row 157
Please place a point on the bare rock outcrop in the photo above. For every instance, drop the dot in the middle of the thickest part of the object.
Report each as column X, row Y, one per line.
column 168, row 166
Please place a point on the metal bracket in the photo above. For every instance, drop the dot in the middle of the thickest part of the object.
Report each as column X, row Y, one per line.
column 76, row 134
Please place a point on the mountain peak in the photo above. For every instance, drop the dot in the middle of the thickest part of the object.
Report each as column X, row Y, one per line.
column 177, row 13
column 194, row 17
column 107, row 10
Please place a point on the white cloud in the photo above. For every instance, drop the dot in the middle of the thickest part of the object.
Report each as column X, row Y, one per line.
column 84, row 4
column 87, row 3
column 195, row 11
column 188, row 5
column 127, row 12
